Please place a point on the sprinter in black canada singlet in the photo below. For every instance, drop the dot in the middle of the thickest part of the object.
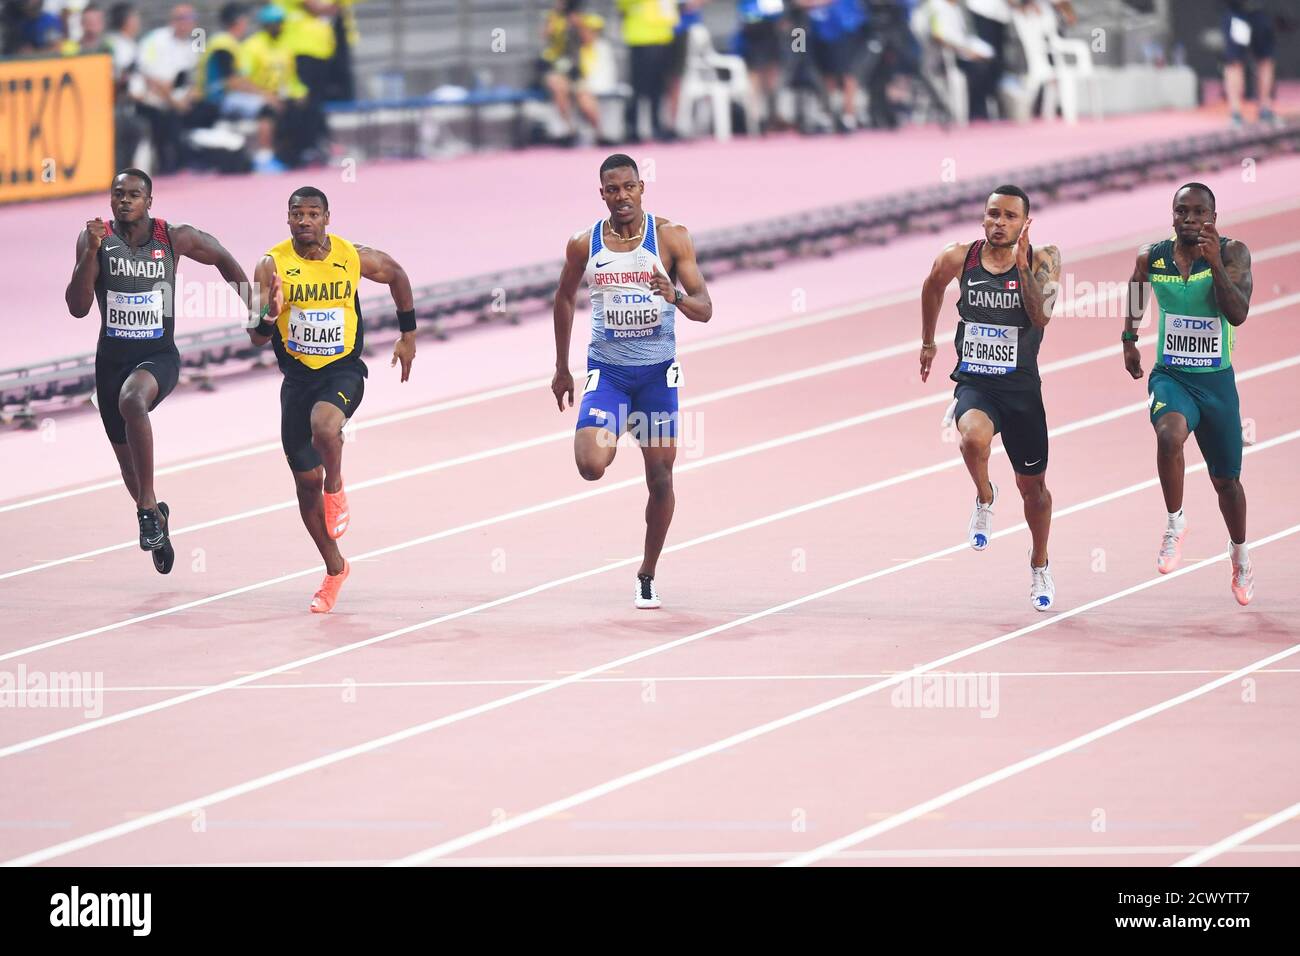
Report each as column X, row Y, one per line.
column 128, row 267
column 1007, row 290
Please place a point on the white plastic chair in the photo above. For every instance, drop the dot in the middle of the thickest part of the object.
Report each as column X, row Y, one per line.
column 1039, row 74
column 701, row 81
column 1070, row 76
column 1060, row 75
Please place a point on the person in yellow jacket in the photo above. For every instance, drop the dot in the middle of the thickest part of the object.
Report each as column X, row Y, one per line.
column 266, row 59
column 323, row 34
column 648, row 27
column 221, row 85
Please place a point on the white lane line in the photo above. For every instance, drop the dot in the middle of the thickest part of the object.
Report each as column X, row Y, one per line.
column 1029, row 763
column 772, row 328
column 1233, row 841
column 653, row 770
column 761, row 856
column 773, row 381
column 338, row 756
column 1088, row 254
column 631, row 482
column 787, row 378
column 903, row 478
column 657, row 678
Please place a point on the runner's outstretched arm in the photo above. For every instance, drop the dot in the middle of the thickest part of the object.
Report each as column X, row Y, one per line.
column 946, row 268
column 381, row 267
column 575, row 264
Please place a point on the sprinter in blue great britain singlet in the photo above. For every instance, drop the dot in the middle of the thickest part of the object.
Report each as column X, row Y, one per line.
column 128, row 267
column 1007, row 290
column 1202, row 285
column 631, row 262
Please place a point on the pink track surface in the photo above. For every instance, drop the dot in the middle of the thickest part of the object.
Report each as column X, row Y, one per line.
column 485, row 692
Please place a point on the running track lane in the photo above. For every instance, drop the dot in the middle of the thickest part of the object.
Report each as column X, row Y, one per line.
column 829, row 531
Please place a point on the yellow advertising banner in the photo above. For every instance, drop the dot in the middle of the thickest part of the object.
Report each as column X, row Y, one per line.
column 56, row 126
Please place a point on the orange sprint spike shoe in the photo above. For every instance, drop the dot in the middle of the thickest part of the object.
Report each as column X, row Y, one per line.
column 336, row 513
column 324, row 600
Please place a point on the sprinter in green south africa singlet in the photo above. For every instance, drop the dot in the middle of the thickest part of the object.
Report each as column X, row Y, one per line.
column 1202, row 285
column 1193, row 334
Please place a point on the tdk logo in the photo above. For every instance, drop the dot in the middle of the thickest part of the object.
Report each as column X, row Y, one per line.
column 631, row 298
column 987, row 332
column 1194, row 324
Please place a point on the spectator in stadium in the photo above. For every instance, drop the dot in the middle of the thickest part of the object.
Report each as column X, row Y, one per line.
column 92, row 37
column 648, row 33
column 269, row 62
column 948, row 28
column 764, row 33
column 568, row 54
column 836, row 40
column 893, row 52
column 1248, row 31
column 123, row 35
column 309, row 32
column 229, row 94
column 31, row 29
column 346, row 36
column 168, row 56
column 128, row 85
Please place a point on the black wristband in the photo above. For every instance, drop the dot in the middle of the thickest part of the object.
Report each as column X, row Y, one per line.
column 264, row 328
column 406, row 320
column 1128, row 336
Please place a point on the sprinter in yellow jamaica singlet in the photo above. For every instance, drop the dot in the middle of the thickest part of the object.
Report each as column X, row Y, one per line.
column 311, row 315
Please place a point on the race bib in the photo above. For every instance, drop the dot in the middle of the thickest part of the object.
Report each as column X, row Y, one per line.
column 315, row 331
column 134, row 315
column 675, row 379
column 989, row 349
column 593, row 381
column 1193, row 341
column 631, row 315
